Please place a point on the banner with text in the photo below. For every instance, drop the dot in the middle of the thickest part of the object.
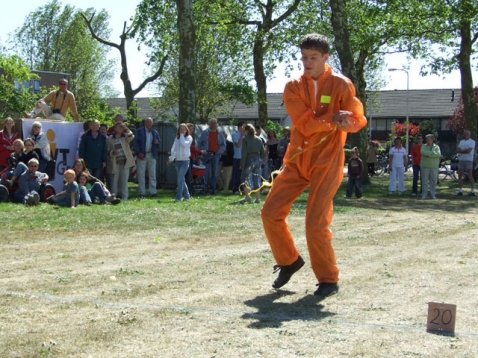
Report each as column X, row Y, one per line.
column 63, row 138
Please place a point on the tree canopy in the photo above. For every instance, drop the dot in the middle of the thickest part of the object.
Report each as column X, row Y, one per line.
column 55, row 38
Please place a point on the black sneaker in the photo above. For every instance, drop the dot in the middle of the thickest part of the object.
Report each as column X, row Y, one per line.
column 326, row 289
column 286, row 272
column 471, row 194
column 460, row 193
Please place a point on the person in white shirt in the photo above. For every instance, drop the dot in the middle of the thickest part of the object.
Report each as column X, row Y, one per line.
column 466, row 154
column 397, row 162
column 180, row 153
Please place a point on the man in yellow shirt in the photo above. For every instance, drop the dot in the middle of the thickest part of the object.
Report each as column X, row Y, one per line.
column 55, row 104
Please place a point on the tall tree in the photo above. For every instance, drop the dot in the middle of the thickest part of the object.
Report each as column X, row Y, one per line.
column 187, row 61
column 221, row 67
column 14, row 99
column 264, row 25
column 453, row 26
column 56, row 39
column 128, row 90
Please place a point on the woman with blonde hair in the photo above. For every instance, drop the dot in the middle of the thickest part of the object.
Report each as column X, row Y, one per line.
column 42, row 146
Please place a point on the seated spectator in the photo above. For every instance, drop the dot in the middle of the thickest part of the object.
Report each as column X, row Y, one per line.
column 7, row 137
column 29, row 184
column 120, row 159
column 23, row 152
column 42, row 146
column 96, row 188
column 85, row 197
column 70, row 196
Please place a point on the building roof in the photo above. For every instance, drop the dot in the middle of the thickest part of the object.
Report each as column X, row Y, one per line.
column 424, row 104
column 429, row 103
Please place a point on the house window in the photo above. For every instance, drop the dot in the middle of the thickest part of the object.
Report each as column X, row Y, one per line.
column 443, row 123
column 32, row 85
column 381, row 125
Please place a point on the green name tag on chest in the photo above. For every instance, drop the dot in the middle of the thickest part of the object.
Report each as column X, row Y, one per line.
column 325, row 99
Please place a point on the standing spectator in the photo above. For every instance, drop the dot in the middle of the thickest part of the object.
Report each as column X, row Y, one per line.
column 104, row 130
column 283, row 144
column 55, row 104
column 213, row 142
column 29, row 184
column 466, row 154
column 93, row 149
column 118, row 118
column 371, row 158
column 42, row 146
column 251, row 162
column 416, row 154
column 7, row 137
column 180, row 153
column 86, row 127
column 146, row 146
column 429, row 164
column 355, row 170
column 194, row 152
column 120, row 159
column 397, row 160
column 271, row 152
column 237, row 138
column 225, row 167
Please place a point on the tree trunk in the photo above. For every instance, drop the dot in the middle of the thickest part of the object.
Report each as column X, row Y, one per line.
column 342, row 44
column 469, row 102
column 260, row 78
column 187, row 62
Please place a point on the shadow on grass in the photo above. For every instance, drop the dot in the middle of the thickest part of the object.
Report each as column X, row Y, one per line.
column 271, row 314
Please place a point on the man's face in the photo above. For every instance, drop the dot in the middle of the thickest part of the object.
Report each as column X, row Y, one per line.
column 103, row 130
column 314, row 62
column 213, row 125
column 94, row 127
column 32, row 167
column 148, row 124
column 419, row 140
column 118, row 119
column 466, row 134
column 63, row 85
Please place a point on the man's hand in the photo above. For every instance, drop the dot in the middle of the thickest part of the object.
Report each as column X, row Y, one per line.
column 341, row 119
column 141, row 156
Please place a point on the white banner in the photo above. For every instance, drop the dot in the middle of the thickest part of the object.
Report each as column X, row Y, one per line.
column 63, row 139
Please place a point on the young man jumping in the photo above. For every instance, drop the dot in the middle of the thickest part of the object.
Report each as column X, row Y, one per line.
column 323, row 108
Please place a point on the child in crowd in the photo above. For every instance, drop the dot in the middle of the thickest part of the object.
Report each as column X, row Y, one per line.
column 70, row 196
column 84, row 188
column 355, row 175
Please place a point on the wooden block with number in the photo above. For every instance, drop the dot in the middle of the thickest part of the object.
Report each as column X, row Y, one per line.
column 441, row 317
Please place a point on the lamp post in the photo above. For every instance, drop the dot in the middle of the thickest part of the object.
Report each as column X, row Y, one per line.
column 408, row 108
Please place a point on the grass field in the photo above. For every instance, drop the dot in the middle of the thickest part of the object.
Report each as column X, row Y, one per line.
column 154, row 278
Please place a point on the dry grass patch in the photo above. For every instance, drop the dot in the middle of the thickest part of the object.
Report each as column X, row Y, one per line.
column 165, row 280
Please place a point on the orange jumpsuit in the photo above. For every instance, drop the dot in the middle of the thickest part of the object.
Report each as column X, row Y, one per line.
column 315, row 158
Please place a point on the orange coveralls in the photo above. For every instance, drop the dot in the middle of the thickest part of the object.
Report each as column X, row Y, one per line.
column 315, row 157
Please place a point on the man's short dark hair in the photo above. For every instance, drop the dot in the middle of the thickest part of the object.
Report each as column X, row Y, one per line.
column 104, row 125
column 315, row 42
column 240, row 124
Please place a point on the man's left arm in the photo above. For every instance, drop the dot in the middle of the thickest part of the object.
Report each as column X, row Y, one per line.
column 72, row 105
column 351, row 117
